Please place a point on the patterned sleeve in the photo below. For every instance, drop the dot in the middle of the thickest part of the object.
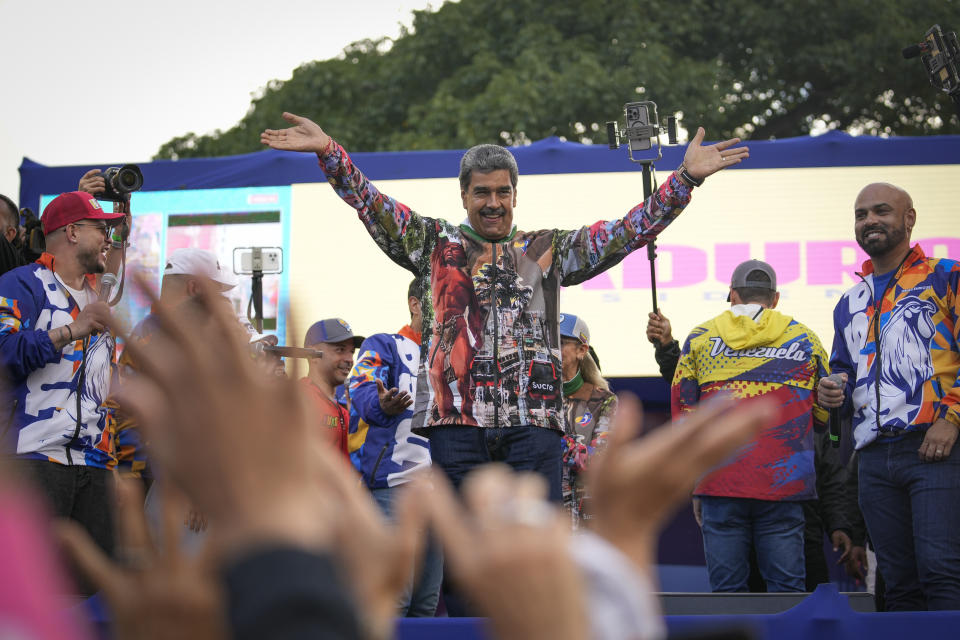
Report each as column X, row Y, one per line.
column 397, row 230
column 685, row 390
column 22, row 348
column 374, row 364
column 949, row 407
column 607, row 414
column 840, row 360
column 585, row 252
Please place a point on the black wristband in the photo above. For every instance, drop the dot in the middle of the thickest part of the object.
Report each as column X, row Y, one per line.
column 69, row 331
column 685, row 175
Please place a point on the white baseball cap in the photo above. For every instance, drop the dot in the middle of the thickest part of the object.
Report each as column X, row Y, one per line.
column 200, row 264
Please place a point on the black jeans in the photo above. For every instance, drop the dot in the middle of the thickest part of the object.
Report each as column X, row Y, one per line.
column 78, row 492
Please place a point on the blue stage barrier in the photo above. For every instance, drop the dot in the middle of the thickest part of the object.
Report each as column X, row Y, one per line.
column 825, row 615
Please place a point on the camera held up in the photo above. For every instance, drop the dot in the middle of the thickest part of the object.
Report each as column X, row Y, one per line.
column 120, row 182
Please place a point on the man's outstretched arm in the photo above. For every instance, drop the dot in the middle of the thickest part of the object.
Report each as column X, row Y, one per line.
column 590, row 250
column 396, row 229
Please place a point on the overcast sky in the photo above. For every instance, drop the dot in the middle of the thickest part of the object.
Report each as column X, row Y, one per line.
column 111, row 80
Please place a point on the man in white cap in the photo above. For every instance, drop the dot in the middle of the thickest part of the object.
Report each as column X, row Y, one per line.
column 185, row 268
column 182, row 276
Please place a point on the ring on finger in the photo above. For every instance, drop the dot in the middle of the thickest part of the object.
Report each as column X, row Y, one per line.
column 527, row 512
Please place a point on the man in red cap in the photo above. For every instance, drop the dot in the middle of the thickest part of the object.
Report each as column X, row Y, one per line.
column 56, row 353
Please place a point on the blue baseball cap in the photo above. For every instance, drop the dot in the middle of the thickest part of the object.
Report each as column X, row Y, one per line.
column 573, row 327
column 331, row 331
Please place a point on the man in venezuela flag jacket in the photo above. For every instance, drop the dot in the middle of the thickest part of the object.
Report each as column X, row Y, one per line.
column 757, row 496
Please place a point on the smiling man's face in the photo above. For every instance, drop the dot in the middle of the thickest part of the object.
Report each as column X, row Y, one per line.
column 489, row 200
column 337, row 360
column 883, row 220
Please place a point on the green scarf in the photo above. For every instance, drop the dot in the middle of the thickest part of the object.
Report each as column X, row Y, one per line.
column 573, row 385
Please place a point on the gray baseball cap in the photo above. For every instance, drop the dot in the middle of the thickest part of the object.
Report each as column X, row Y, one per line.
column 743, row 276
column 331, row 331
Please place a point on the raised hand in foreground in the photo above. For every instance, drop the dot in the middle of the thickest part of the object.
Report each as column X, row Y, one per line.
column 159, row 592
column 637, row 484
column 243, row 447
column 509, row 550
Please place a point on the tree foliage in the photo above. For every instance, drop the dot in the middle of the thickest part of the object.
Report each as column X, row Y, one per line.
column 510, row 71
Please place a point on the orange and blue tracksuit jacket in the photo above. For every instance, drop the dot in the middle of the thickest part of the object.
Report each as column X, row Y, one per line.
column 57, row 408
column 751, row 353
column 899, row 347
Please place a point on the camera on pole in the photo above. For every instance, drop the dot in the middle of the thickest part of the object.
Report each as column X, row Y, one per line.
column 940, row 55
column 642, row 135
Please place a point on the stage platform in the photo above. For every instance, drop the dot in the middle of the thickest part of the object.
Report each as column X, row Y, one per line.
column 826, row 614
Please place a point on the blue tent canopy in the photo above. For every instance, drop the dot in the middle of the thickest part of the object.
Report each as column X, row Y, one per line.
column 551, row 155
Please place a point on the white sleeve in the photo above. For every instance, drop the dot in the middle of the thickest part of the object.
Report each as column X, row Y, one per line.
column 621, row 603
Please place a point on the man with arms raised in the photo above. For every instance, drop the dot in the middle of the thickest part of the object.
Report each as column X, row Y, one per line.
column 895, row 346
column 509, row 407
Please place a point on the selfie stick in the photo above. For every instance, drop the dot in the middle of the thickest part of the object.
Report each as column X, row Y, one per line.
column 651, row 243
column 641, row 133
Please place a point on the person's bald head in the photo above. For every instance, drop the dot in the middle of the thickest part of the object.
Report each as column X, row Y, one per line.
column 883, row 219
column 884, row 191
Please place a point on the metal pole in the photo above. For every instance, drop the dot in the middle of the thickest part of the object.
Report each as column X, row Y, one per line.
column 651, row 244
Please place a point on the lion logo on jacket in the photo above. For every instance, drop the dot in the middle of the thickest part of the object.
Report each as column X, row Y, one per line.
column 906, row 361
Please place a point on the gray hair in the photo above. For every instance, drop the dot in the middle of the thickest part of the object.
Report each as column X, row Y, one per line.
column 591, row 373
column 486, row 158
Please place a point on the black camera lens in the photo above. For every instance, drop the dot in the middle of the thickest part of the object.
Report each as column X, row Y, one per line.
column 120, row 182
column 128, row 179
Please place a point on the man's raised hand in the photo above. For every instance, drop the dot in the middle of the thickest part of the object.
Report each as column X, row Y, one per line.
column 636, row 484
column 392, row 401
column 304, row 135
column 705, row 160
column 92, row 182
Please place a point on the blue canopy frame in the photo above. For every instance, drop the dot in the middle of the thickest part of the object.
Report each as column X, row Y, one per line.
column 547, row 156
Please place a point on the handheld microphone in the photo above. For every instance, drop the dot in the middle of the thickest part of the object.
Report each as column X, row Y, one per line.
column 915, row 50
column 108, row 282
column 837, row 379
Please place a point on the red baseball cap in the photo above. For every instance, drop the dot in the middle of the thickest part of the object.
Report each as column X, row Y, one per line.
column 71, row 207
